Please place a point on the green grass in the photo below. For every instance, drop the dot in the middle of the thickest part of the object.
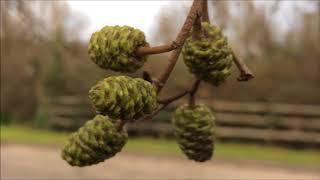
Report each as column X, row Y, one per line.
column 169, row 147
column 233, row 151
column 26, row 135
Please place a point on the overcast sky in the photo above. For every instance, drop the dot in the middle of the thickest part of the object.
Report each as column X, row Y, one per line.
column 139, row 14
column 142, row 14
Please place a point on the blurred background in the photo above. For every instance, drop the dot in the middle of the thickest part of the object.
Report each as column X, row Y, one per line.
column 272, row 121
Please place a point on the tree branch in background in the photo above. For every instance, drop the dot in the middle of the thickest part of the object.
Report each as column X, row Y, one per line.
column 156, row 50
column 194, row 12
column 245, row 72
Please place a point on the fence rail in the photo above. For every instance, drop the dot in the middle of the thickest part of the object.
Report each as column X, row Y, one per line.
column 262, row 122
column 266, row 108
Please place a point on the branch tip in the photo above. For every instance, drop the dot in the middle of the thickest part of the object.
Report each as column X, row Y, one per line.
column 245, row 72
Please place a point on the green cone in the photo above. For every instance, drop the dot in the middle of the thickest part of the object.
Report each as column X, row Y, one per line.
column 113, row 47
column 193, row 128
column 98, row 140
column 123, row 97
column 209, row 58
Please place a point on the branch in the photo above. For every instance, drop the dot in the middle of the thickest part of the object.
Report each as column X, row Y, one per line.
column 194, row 19
column 193, row 91
column 154, row 113
column 194, row 12
column 245, row 72
column 173, row 98
column 197, row 34
column 167, row 101
column 141, row 51
column 205, row 13
column 120, row 125
column 146, row 76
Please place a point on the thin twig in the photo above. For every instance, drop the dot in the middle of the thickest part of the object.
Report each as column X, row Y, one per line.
column 154, row 113
column 196, row 32
column 173, row 98
column 193, row 91
column 146, row 76
column 245, row 72
column 120, row 125
column 205, row 12
column 197, row 35
column 198, row 13
column 194, row 12
column 141, row 51
column 168, row 101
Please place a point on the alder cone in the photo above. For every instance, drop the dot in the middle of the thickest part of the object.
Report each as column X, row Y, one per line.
column 113, row 47
column 194, row 131
column 98, row 140
column 123, row 97
column 208, row 57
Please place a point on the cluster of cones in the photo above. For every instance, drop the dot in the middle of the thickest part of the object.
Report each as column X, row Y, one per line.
column 119, row 99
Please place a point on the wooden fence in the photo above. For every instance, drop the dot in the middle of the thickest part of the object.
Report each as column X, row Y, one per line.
column 257, row 122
